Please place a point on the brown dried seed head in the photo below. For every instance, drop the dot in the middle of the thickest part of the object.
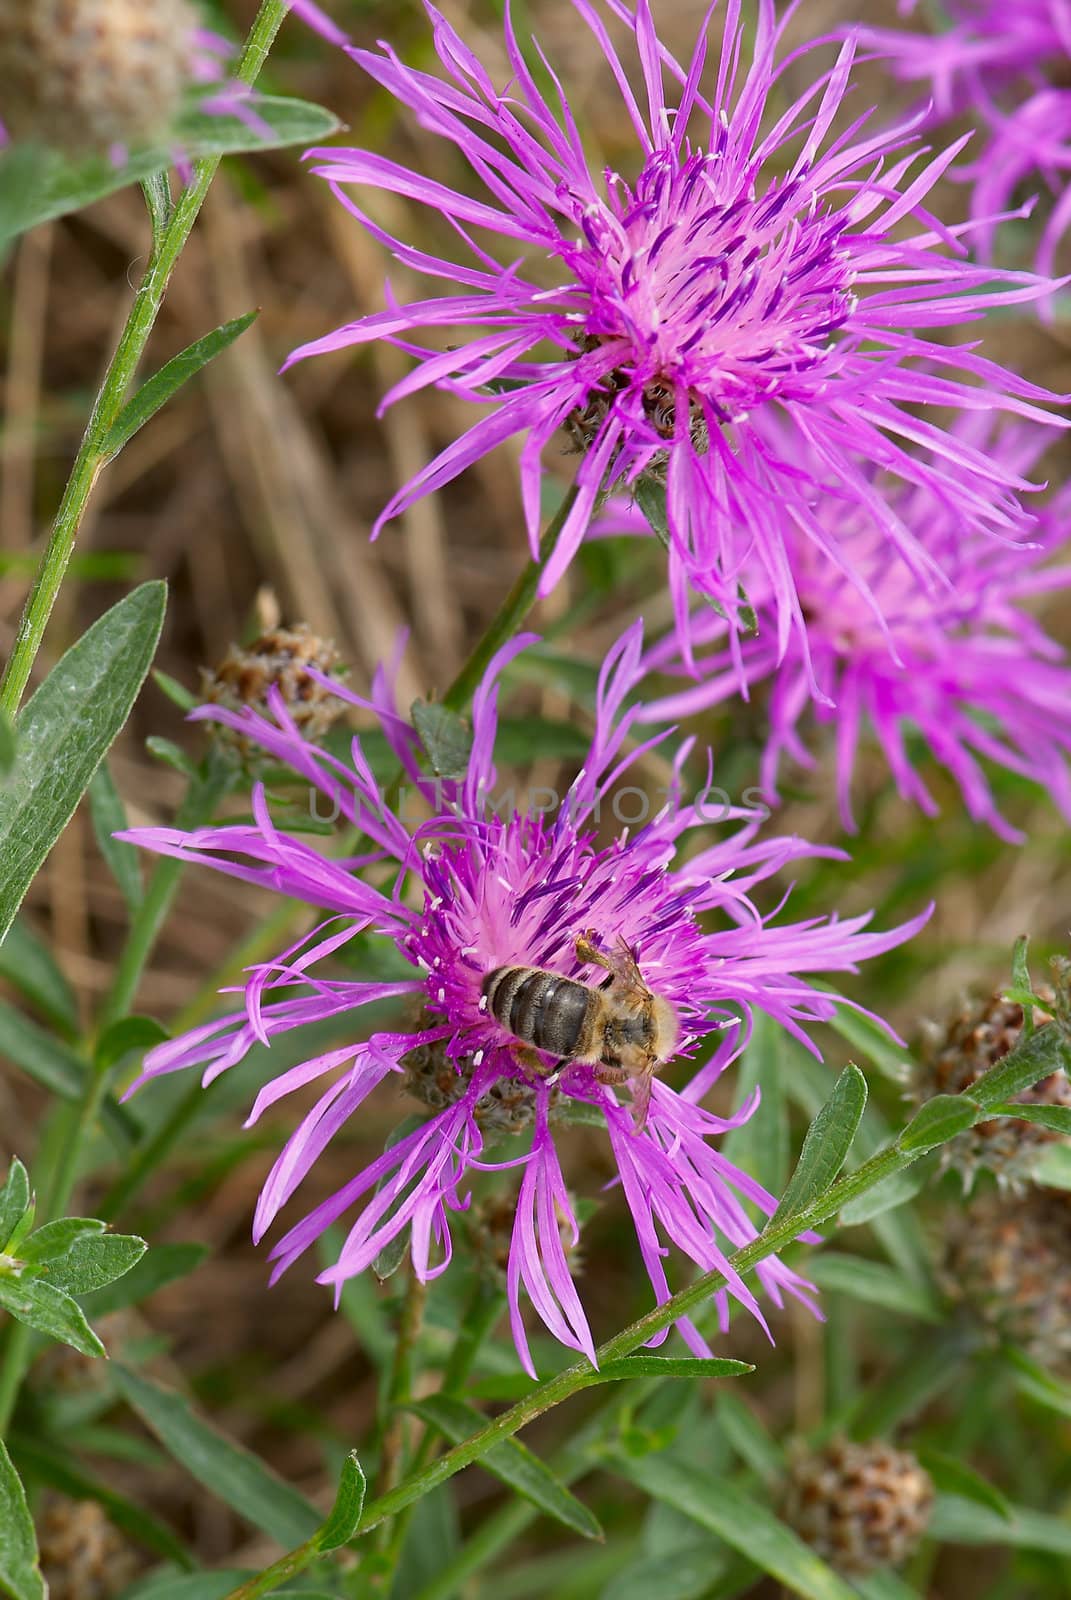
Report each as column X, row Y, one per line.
column 1008, row 1257
column 438, row 1080
column 89, row 74
column 953, row 1060
column 859, row 1506
column 83, row 1556
column 280, row 659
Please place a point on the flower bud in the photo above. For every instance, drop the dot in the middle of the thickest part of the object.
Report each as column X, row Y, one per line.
column 280, row 658
column 954, row 1060
column 860, row 1507
column 83, row 1556
column 1008, row 1258
column 92, row 74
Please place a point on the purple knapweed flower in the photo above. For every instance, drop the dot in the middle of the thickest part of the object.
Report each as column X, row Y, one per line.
column 1004, row 64
column 740, row 273
column 469, row 892
column 963, row 666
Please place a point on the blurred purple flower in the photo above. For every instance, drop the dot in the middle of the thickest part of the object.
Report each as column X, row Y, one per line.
column 727, row 280
column 1003, row 62
column 466, row 893
column 963, row 664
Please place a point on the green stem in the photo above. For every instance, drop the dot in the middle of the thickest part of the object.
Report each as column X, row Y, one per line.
column 511, row 614
column 168, row 243
column 200, row 803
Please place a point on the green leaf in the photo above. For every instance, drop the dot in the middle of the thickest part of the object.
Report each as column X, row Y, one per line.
column 1051, row 1167
column 644, row 1366
column 826, row 1144
column 51, row 1462
column 743, row 1523
column 55, row 1065
column 109, row 817
column 1056, row 1118
column 1038, row 1384
column 164, row 1263
column 445, row 736
column 56, row 1238
column 1022, row 981
column 22, row 169
column 65, row 729
column 228, row 1470
column 27, row 965
column 129, row 1033
column 60, row 185
column 8, row 745
column 192, row 1585
column 172, row 755
column 14, row 1199
column 875, row 1283
column 20, row 1574
column 341, row 1525
column 761, row 1145
column 952, row 1476
column 959, row 1521
column 512, row 1462
column 1033, row 1058
column 36, row 1303
column 939, row 1120
column 92, row 1263
column 748, row 1437
column 176, row 692
column 157, row 390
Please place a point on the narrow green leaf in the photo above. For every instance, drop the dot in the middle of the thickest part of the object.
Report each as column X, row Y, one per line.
column 231, row 1472
column 129, row 1033
column 36, row 1303
column 1033, row 1058
column 164, row 1263
column 645, row 1366
column 27, row 964
column 20, row 1574
column 53, row 1064
column 1056, row 1118
column 1022, row 981
column 873, row 1282
column 959, row 1521
column 686, row 1575
column 341, row 1525
column 1051, row 1167
column 56, row 1238
column 172, row 755
column 176, row 692
column 512, row 1462
column 1038, row 1384
column 192, row 1585
column 761, row 1145
column 826, row 1143
column 743, row 1523
column 952, row 1476
column 61, row 185
column 445, row 736
column 51, row 1462
column 172, row 376
column 14, row 1199
column 884, row 1585
column 8, row 745
column 109, row 817
column 22, row 168
column 748, row 1437
column 939, row 1120
column 65, row 729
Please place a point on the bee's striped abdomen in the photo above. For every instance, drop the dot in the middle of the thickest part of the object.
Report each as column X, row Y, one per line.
column 542, row 1008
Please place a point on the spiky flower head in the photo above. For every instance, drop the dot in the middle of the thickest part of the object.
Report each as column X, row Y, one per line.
column 295, row 661
column 739, row 286
column 955, row 1057
column 83, row 1555
column 469, row 893
column 861, row 1507
column 1005, row 67
column 960, row 664
column 1007, row 1257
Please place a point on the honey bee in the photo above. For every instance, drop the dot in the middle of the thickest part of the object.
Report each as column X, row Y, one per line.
column 621, row 1028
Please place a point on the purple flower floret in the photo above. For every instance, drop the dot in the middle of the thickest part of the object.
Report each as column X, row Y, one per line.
column 469, row 892
column 1005, row 65
column 746, row 275
column 963, row 666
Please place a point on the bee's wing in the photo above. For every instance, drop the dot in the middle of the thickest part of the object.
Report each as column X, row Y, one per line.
column 625, row 967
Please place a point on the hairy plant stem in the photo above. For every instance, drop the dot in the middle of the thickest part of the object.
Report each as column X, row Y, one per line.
column 171, row 229
column 1032, row 1059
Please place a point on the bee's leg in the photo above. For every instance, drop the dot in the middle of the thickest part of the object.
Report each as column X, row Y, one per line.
column 586, row 951
column 532, row 1063
column 607, row 1074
